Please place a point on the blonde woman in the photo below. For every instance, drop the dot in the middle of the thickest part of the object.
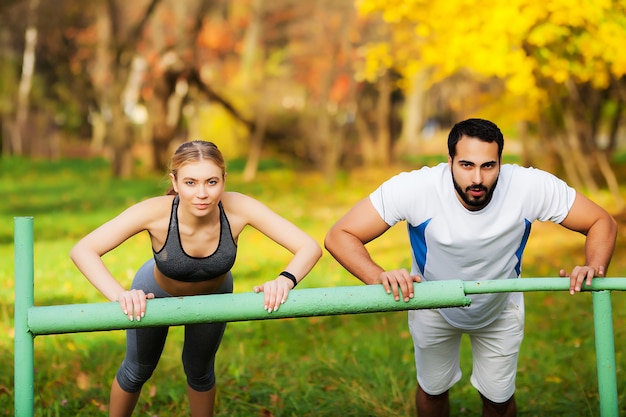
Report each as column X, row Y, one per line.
column 194, row 231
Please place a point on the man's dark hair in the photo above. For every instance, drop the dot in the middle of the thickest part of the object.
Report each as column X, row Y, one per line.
column 475, row 128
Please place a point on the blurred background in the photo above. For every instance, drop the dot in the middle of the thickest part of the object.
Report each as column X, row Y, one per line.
column 313, row 103
column 329, row 84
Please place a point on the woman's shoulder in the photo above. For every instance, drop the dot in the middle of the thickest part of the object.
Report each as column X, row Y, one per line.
column 153, row 207
column 242, row 205
column 234, row 200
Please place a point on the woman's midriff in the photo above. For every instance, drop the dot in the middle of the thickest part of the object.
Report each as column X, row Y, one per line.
column 181, row 288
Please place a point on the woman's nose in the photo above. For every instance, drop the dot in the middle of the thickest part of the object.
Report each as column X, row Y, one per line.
column 202, row 191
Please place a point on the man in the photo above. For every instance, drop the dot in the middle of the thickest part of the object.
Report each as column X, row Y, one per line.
column 469, row 219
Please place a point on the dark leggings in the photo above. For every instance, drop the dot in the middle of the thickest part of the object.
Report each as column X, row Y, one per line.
column 145, row 345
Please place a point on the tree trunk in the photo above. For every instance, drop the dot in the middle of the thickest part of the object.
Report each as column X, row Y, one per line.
column 249, row 58
column 413, row 117
column 120, row 136
column 576, row 157
column 565, row 154
column 120, row 139
column 375, row 137
column 100, row 78
column 28, row 68
column 610, row 178
column 383, row 113
column 366, row 140
column 6, row 79
column 256, row 145
column 166, row 113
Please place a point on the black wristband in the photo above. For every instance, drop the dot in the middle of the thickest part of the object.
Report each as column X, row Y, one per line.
column 290, row 276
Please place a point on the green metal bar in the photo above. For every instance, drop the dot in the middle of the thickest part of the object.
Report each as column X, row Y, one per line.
column 31, row 321
column 74, row 318
column 24, row 345
column 242, row 306
column 539, row 284
column 605, row 353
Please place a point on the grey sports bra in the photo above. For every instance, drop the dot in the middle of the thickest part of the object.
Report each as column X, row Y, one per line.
column 174, row 263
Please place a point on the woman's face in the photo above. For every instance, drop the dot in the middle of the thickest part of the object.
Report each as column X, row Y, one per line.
column 200, row 185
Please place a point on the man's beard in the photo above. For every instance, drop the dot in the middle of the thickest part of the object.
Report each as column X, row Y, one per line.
column 475, row 204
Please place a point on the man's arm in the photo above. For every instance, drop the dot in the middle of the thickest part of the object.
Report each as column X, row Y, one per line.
column 346, row 243
column 600, row 227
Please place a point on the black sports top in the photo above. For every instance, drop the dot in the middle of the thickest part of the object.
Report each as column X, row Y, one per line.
column 174, row 263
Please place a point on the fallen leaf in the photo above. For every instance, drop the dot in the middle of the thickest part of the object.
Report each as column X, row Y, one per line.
column 82, row 381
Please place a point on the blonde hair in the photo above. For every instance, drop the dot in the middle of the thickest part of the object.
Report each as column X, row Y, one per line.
column 193, row 151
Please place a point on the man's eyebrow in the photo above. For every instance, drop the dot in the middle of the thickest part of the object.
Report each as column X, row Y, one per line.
column 464, row 161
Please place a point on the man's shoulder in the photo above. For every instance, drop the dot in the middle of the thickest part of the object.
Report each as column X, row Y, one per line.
column 514, row 170
column 428, row 179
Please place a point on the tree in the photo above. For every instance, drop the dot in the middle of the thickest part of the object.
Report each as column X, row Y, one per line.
column 26, row 79
column 548, row 57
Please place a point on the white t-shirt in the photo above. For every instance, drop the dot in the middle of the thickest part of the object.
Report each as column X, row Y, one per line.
column 450, row 242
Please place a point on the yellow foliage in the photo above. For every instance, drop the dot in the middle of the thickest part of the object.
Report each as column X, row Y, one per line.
column 218, row 126
column 517, row 41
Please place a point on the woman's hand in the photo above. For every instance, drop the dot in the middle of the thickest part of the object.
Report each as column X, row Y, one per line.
column 133, row 303
column 276, row 292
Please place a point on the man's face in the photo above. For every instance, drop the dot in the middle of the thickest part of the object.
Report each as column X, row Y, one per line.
column 475, row 171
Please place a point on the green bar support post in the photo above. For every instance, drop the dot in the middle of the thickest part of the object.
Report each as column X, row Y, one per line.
column 605, row 353
column 24, row 344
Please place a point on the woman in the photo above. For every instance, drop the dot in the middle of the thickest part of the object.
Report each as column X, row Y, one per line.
column 194, row 231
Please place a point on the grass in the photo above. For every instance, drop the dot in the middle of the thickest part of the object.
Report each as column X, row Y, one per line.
column 352, row 365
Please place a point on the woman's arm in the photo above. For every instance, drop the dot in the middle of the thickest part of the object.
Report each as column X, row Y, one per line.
column 243, row 210
column 87, row 253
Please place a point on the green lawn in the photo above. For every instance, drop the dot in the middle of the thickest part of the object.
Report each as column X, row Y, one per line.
column 353, row 365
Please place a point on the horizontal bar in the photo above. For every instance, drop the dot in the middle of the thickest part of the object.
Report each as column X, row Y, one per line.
column 539, row 284
column 301, row 303
column 241, row 306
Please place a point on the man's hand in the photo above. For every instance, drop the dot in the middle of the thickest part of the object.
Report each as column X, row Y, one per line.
column 581, row 274
column 399, row 280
